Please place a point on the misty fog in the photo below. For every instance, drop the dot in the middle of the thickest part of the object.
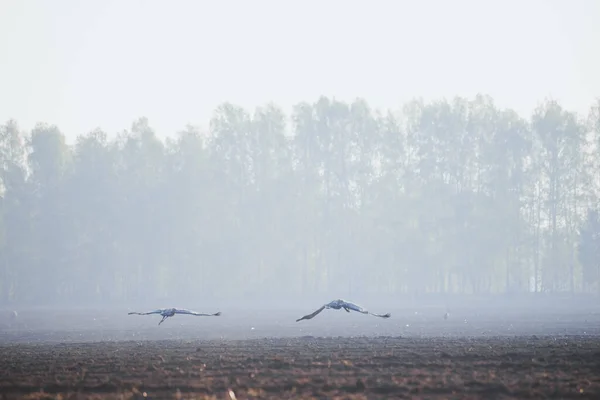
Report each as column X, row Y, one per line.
column 274, row 199
column 447, row 197
column 336, row 185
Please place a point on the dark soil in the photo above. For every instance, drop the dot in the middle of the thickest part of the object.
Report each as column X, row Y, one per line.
column 337, row 354
column 389, row 367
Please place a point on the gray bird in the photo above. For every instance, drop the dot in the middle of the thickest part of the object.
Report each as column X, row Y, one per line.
column 169, row 312
column 339, row 304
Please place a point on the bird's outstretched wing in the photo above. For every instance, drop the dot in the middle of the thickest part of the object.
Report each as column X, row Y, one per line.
column 190, row 312
column 386, row 315
column 309, row 316
column 354, row 307
column 159, row 311
column 361, row 310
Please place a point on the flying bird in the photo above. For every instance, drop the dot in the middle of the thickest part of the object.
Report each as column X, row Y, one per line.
column 169, row 312
column 346, row 305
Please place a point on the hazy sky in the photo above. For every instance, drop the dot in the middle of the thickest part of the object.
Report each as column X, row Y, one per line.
column 83, row 64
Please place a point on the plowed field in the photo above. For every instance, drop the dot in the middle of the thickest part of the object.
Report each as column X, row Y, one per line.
column 411, row 355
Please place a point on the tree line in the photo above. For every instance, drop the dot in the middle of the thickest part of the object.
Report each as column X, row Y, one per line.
column 450, row 196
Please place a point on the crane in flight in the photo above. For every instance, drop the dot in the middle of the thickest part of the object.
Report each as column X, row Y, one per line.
column 346, row 305
column 169, row 312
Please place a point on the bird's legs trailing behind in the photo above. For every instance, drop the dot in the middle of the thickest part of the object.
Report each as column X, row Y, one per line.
column 163, row 318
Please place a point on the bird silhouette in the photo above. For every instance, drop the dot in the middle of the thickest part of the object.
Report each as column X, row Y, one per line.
column 170, row 312
column 342, row 304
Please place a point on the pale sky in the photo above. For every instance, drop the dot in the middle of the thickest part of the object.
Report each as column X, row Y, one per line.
column 82, row 64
